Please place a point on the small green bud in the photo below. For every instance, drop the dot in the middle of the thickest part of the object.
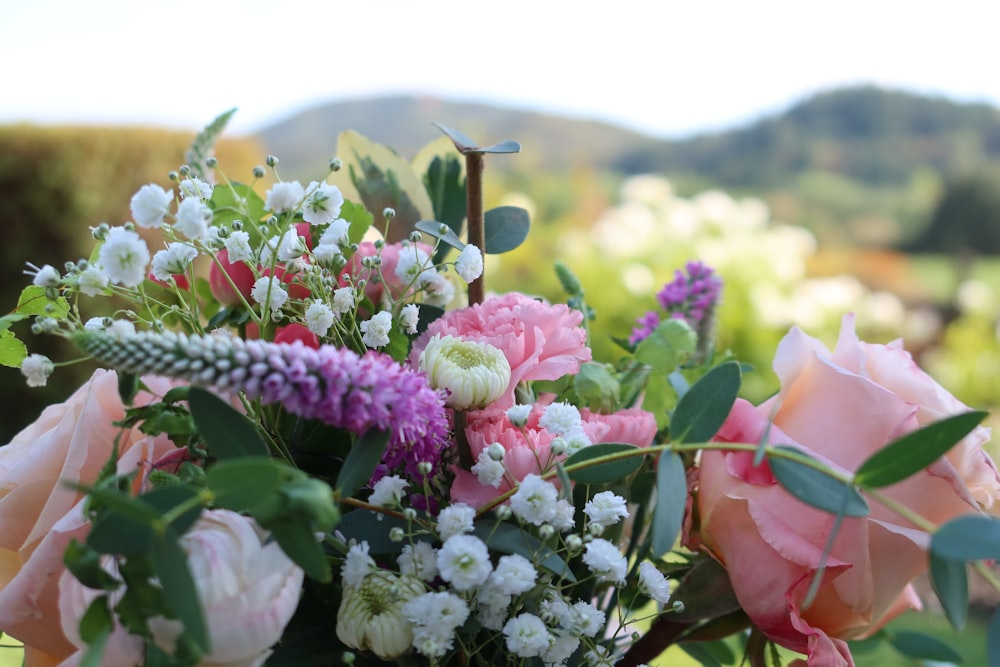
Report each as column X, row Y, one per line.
column 258, row 172
column 335, row 164
column 173, row 176
column 388, row 213
column 185, row 170
column 271, row 161
column 212, row 162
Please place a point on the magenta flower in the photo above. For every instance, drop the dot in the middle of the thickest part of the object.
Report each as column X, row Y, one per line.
column 690, row 297
column 334, row 385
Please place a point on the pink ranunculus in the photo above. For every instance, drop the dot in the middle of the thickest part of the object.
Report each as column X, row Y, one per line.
column 248, row 586
column 840, row 407
column 69, row 442
column 540, row 341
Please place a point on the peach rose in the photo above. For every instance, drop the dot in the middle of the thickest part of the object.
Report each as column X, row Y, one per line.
column 840, row 407
column 69, row 442
column 248, row 586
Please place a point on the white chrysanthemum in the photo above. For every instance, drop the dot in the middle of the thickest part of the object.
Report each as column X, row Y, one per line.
column 322, row 204
column 388, row 491
column 455, row 520
column 93, row 280
column 464, row 562
column 357, row 565
column 175, row 259
column 337, row 233
column 652, row 581
column 269, row 290
column 561, row 418
column 343, row 300
column 518, row 414
column 415, row 266
column 150, row 205
column 195, row 187
column 534, row 500
column 488, row 470
column 527, row 636
column 469, row 264
column 606, row 508
column 418, row 560
column 375, row 331
column 605, row 561
column 193, row 219
column 370, row 617
column 36, row 368
column 409, row 317
column 319, row 318
column 514, row 574
column 124, row 257
column 238, row 247
column 284, row 197
column 474, row 373
column 47, row 276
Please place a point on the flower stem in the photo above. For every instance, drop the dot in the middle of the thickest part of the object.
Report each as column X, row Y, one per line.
column 474, row 212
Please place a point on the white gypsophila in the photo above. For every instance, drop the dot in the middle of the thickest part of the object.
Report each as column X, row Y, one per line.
column 269, row 290
column 605, row 561
column 124, row 257
column 435, row 616
column 375, row 331
column 574, row 441
column 414, row 266
column 534, row 500
column 150, row 205
column 474, row 374
column 319, row 318
column 343, row 300
column 492, row 605
column 175, row 259
column 438, row 291
column 563, row 513
column 97, row 324
column 238, row 247
column 606, row 508
column 194, row 187
column 322, row 205
column 455, row 520
column 409, row 317
column 388, row 491
column 193, row 219
column 93, row 280
column 47, row 276
column 553, row 606
column 464, row 562
column 286, row 247
column 518, row 414
column 514, row 574
column 122, row 328
column 418, row 560
column 561, row 648
column 36, row 369
column 337, row 233
column 324, row 254
column 561, row 418
column 653, row 583
column 284, row 197
column 600, row 656
column 487, row 470
column 469, row 264
column 527, row 636
column 583, row 618
column 357, row 565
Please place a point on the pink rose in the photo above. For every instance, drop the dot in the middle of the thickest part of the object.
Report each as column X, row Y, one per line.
column 69, row 442
column 540, row 341
column 248, row 586
column 840, row 407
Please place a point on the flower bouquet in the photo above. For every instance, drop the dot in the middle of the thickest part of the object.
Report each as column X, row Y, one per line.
column 317, row 439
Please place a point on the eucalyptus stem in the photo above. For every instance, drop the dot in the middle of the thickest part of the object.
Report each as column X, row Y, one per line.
column 474, row 212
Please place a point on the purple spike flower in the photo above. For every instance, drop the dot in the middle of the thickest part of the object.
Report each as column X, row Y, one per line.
column 691, row 297
column 331, row 384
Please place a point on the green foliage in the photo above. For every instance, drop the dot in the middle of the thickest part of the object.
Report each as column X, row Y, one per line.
column 506, row 228
column 227, row 433
column 671, row 494
column 701, row 411
column 812, row 483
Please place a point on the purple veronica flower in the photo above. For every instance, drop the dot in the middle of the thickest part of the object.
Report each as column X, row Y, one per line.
column 691, row 297
column 335, row 385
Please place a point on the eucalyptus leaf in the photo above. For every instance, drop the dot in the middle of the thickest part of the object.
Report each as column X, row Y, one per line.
column 969, row 537
column 463, row 143
column 993, row 640
column 120, row 534
column 85, row 564
column 433, row 228
column 670, row 344
column 915, row 450
column 921, row 646
column 701, row 411
column 509, row 539
column 244, row 483
column 227, row 433
column 128, row 387
column 671, row 499
column 299, row 544
column 167, row 498
column 99, row 626
column 951, row 585
column 367, row 526
column 508, row 146
column 816, row 487
column 171, row 566
column 506, row 228
column 361, row 461
column 603, row 472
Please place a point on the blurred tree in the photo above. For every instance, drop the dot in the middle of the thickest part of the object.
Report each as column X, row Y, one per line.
column 966, row 220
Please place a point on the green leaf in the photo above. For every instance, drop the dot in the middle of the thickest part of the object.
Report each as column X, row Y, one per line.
column 168, row 498
column 445, row 184
column 128, row 387
column 299, row 544
column 507, row 146
column 993, row 640
column 505, row 228
column 237, row 201
column 702, row 410
column 85, row 564
column 359, row 218
column 970, row 537
column 922, row 646
column 367, row 526
column 201, row 147
column 95, row 628
column 433, row 228
column 244, row 483
column 597, row 387
column 951, row 584
column 510, row 539
column 463, row 143
column 361, row 461
column 6, row 321
column 33, row 301
column 171, row 567
column 816, row 487
column 671, row 498
column 227, row 433
column 670, row 344
column 607, row 471
column 12, row 350
column 915, row 451
column 706, row 592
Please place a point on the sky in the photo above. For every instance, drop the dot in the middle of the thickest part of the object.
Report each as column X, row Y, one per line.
column 662, row 67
